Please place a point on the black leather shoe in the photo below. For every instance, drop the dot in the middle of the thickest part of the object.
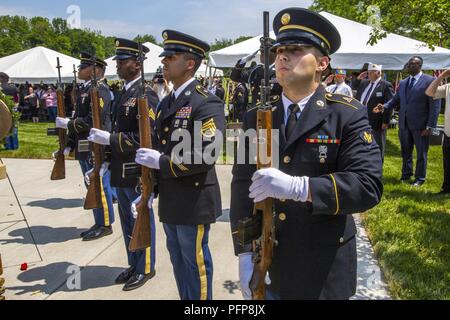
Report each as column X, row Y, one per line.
column 89, row 230
column 417, row 183
column 124, row 276
column 98, row 233
column 137, row 280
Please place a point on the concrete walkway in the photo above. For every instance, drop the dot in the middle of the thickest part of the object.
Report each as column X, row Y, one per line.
column 42, row 229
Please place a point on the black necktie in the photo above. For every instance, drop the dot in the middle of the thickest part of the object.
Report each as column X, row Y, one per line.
column 410, row 85
column 292, row 120
column 366, row 98
column 171, row 99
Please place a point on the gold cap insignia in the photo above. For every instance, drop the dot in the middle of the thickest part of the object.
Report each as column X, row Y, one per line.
column 117, row 43
column 285, row 19
column 165, row 36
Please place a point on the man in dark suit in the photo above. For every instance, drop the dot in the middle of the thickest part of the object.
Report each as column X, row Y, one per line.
column 372, row 92
column 418, row 115
column 330, row 168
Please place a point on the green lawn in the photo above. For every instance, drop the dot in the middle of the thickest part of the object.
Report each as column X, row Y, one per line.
column 33, row 142
column 410, row 229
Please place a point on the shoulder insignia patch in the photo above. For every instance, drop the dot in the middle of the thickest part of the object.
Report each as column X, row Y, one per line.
column 367, row 137
column 209, row 129
column 151, row 114
column 201, row 90
column 344, row 100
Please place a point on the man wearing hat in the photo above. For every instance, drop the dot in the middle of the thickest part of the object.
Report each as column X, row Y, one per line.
column 78, row 131
column 189, row 193
column 340, row 86
column 330, row 168
column 371, row 92
column 253, row 75
column 123, row 141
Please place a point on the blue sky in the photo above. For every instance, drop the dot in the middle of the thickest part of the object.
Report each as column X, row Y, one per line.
column 127, row 18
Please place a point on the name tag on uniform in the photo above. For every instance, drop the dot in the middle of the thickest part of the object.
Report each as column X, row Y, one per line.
column 379, row 94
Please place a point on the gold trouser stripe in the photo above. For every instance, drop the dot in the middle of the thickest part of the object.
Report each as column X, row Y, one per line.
column 295, row 26
column 120, row 141
column 201, row 263
column 75, row 125
column 171, row 168
column 184, row 43
column 147, row 260
column 105, row 204
column 336, row 193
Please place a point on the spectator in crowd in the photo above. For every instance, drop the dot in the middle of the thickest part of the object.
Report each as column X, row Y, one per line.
column 7, row 89
column 339, row 86
column 31, row 103
column 372, row 92
column 443, row 92
column 51, row 103
column 418, row 116
column 220, row 91
column 360, row 76
column 160, row 85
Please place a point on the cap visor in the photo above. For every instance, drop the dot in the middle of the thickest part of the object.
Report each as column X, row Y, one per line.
column 123, row 57
column 167, row 53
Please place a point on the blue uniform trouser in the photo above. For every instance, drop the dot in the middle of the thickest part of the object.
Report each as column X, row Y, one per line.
column 408, row 139
column 143, row 261
column 191, row 260
column 102, row 216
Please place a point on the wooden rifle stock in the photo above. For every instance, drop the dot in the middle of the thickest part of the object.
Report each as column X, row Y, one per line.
column 59, row 168
column 263, row 246
column 141, row 237
column 94, row 193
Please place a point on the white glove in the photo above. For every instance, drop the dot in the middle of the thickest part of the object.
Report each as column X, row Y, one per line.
column 86, row 176
column 245, row 274
column 148, row 158
column 61, row 122
column 99, row 136
column 66, row 152
column 103, row 169
column 272, row 183
column 135, row 202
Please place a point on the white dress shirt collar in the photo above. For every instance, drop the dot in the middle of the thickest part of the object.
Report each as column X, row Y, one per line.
column 129, row 84
column 301, row 104
column 182, row 87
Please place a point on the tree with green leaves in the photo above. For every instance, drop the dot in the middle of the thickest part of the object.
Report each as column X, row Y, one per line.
column 427, row 21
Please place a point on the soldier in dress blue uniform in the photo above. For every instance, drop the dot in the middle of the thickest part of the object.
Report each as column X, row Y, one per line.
column 330, row 167
column 123, row 141
column 189, row 194
column 253, row 75
column 78, row 131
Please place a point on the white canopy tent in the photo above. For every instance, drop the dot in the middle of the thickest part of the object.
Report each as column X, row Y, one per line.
column 38, row 65
column 392, row 52
column 151, row 64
